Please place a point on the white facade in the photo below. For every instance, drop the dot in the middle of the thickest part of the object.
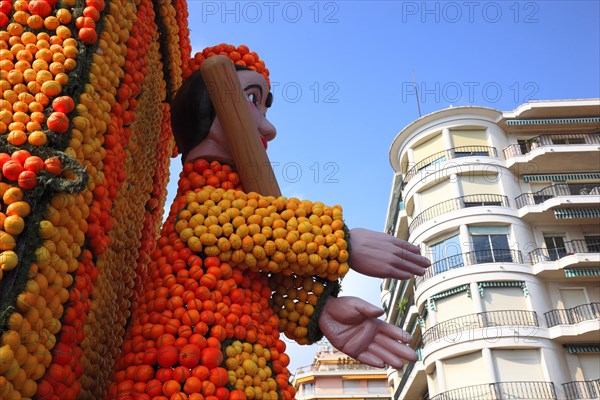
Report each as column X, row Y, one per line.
column 507, row 207
column 334, row 375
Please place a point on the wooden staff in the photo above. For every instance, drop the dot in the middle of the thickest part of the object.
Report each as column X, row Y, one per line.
column 243, row 138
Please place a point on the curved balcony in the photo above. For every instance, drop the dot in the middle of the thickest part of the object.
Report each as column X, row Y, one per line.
column 571, row 247
column 560, row 189
column 455, row 152
column 486, row 319
column 550, row 140
column 470, row 258
column 550, row 153
column 502, row 390
column 575, row 315
column 582, row 389
column 472, row 200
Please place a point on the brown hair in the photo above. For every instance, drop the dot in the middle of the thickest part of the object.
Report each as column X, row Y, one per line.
column 192, row 113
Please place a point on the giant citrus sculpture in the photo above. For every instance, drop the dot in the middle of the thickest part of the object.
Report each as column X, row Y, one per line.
column 96, row 300
column 85, row 144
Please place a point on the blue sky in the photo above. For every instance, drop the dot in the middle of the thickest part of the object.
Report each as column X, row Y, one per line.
column 342, row 74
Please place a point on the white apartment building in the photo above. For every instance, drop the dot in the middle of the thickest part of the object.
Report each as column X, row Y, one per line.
column 507, row 207
column 333, row 375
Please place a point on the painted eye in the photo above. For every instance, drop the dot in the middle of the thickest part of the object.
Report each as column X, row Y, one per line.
column 253, row 98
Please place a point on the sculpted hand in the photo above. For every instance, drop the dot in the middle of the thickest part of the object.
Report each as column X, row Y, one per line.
column 351, row 326
column 383, row 256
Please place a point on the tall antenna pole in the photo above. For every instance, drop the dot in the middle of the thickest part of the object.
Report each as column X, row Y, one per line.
column 417, row 92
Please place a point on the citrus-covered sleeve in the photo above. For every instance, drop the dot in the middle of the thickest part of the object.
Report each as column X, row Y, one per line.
column 301, row 244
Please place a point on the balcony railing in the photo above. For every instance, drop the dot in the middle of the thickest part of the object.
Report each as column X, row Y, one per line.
column 559, row 189
column 470, row 258
column 404, row 380
column 351, row 365
column 551, row 140
column 472, row 200
column 570, row 247
column 501, row 390
column 570, row 316
column 455, row 152
column 407, row 372
column 455, row 326
column 582, row 389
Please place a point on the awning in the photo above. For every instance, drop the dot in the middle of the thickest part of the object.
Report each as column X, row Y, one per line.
column 573, row 213
column 561, row 177
column 519, row 284
column 450, row 292
column 548, row 121
column 364, row 376
column 305, row 379
column 431, row 303
column 582, row 348
column 576, row 272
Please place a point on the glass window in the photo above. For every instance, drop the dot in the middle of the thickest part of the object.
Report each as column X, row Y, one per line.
column 593, row 243
column 351, row 386
column 308, row 388
column 523, row 146
column 446, row 254
column 459, row 154
column 491, row 248
column 474, row 202
column 555, row 244
column 377, row 386
column 568, row 140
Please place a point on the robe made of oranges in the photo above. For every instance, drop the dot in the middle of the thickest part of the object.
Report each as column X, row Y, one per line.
column 231, row 271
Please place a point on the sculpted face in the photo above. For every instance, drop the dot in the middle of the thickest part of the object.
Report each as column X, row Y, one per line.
column 256, row 90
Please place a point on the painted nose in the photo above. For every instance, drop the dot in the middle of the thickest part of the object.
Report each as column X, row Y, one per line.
column 266, row 129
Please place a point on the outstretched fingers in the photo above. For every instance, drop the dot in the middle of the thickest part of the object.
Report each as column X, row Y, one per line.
column 393, row 332
column 396, row 348
column 386, row 355
column 371, row 359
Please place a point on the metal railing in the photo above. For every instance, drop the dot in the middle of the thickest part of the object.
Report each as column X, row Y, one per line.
column 570, row 316
column 556, row 253
column 404, row 380
column 407, row 372
column 582, row 389
column 472, row 200
column 455, row 152
column 470, row 258
column 351, row 365
column 551, row 140
column 559, row 189
column 501, row 390
column 455, row 326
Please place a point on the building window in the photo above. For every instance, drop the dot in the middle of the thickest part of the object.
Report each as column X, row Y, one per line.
column 512, row 365
column 568, row 140
column 467, row 365
column 308, row 388
column 377, row 386
column 590, row 367
column 481, row 202
column 524, row 146
column 555, row 244
column 458, row 154
column 593, row 243
column 490, row 245
column 351, row 386
column 446, row 254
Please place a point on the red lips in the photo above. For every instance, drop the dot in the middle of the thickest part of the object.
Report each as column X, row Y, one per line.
column 264, row 141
